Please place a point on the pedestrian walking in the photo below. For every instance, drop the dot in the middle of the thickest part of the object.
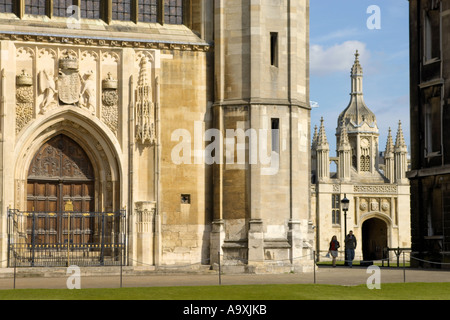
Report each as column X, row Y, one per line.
column 333, row 250
column 350, row 246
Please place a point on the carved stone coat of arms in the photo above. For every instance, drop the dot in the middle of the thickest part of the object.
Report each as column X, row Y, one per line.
column 69, row 82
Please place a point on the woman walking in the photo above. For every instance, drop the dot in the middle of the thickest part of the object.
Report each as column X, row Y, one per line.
column 333, row 250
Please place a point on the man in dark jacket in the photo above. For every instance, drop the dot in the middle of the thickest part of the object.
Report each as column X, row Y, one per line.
column 350, row 246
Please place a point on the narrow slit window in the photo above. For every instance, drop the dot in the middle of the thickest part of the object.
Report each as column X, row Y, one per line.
column 275, row 135
column 274, row 49
column 335, row 207
column 432, row 35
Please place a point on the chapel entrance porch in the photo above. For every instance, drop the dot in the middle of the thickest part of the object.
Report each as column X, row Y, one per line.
column 62, row 223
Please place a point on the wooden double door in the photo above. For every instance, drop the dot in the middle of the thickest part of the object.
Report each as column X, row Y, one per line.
column 60, row 173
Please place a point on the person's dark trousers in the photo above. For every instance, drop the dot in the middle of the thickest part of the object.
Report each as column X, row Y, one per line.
column 350, row 253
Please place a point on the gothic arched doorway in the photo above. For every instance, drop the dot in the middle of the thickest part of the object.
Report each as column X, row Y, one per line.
column 67, row 198
column 374, row 238
column 60, row 172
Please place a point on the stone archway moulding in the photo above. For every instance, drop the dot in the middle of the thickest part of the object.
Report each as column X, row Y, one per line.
column 375, row 214
column 92, row 135
column 381, row 216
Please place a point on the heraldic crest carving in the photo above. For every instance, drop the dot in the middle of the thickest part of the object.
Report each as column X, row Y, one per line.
column 69, row 82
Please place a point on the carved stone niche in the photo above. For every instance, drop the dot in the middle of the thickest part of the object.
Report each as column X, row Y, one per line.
column 24, row 100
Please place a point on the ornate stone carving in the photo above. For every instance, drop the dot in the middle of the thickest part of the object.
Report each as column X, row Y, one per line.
column 363, row 205
column 24, row 100
column 375, row 189
column 61, row 157
column 145, row 214
column 110, row 97
column 24, row 79
column 88, row 92
column 47, row 87
column 201, row 47
column 145, row 112
column 374, row 205
column 109, row 86
column 385, row 205
column 24, row 94
column 69, row 80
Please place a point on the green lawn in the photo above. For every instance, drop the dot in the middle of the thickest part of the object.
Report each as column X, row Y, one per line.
column 403, row 291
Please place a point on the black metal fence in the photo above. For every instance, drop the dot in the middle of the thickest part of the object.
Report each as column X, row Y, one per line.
column 58, row 239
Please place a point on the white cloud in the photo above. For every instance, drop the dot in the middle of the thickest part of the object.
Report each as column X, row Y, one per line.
column 337, row 58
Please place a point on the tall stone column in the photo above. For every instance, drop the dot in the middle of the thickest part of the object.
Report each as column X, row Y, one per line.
column 262, row 85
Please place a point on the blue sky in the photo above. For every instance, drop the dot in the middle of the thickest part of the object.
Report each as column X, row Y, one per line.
column 337, row 29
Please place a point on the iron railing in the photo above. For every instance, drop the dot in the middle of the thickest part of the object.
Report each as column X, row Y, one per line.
column 55, row 239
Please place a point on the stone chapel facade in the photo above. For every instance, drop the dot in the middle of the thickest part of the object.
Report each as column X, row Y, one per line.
column 377, row 187
column 117, row 119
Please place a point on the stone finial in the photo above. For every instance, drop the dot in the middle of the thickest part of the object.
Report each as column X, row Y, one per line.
column 144, row 76
column 389, row 143
column 343, row 141
column 357, row 69
column 400, row 140
column 322, row 137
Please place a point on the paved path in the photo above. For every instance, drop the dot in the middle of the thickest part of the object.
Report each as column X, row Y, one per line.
column 324, row 275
